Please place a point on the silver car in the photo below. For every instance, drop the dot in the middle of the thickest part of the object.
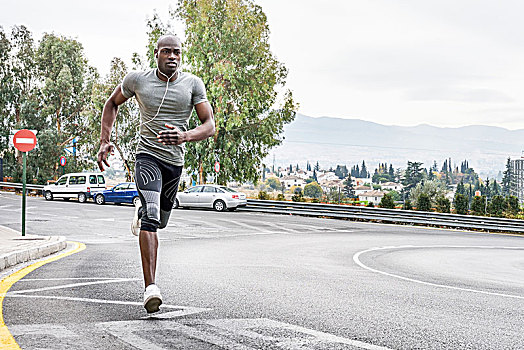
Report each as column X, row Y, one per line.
column 217, row 197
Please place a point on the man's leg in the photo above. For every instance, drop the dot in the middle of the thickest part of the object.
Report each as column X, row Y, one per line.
column 149, row 184
column 148, row 251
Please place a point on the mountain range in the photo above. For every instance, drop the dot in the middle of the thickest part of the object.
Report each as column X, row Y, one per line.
column 332, row 141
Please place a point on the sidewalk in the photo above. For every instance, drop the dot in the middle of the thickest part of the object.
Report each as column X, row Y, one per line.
column 15, row 249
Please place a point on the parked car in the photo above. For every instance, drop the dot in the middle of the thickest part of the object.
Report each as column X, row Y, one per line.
column 217, row 197
column 75, row 185
column 124, row 192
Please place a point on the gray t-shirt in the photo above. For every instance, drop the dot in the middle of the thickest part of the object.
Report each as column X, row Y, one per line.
column 183, row 93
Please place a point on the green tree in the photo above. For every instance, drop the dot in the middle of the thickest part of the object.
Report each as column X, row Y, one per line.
column 349, row 190
column 431, row 188
column 274, row 183
column 407, row 205
column 478, row 205
column 412, row 176
column 506, row 180
column 298, row 196
column 387, row 202
column 443, row 204
column 395, row 195
column 313, row 190
column 512, row 206
column 461, row 204
column 497, row 206
column 227, row 45
column 423, row 202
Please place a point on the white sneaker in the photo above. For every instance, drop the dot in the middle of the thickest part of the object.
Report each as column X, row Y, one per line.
column 135, row 224
column 152, row 298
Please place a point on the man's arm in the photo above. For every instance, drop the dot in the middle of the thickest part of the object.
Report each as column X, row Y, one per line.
column 175, row 136
column 108, row 119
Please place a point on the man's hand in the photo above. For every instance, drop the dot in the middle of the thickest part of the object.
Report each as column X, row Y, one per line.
column 106, row 149
column 173, row 136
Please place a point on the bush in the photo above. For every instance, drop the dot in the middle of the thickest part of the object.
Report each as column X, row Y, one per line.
column 370, row 205
column 313, row 190
column 263, row 195
column 407, row 205
column 423, row 202
column 497, row 206
column 281, row 197
column 387, row 202
column 461, row 204
column 512, row 206
column 478, row 205
column 443, row 204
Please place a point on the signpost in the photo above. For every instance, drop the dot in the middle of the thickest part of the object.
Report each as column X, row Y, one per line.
column 24, row 141
column 217, row 166
column 63, row 161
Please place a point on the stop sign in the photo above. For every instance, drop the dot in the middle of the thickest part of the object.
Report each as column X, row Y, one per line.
column 24, row 140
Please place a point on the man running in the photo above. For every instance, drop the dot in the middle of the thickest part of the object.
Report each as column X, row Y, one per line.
column 166, row 97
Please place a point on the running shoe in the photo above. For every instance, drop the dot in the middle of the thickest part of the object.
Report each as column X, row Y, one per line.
column 152, row 299
column 135, row 225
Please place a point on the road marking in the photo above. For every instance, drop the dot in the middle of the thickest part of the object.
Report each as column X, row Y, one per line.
column 181, row 310
column 6, row 339
column 115, row 280
column 257, row 229
column 242, row 334
column 57, row 330
column 356, row 259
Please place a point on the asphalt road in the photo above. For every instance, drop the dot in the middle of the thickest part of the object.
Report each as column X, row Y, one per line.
column 237, row 280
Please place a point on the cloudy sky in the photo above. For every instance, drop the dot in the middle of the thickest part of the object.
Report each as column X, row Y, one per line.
column 439, row 62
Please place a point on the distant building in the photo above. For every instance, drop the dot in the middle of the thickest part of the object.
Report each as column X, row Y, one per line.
column 392, row 186
column 517, row 179
column 328, row 185
column 362, row 189
column 290, row 181
column 372, row 196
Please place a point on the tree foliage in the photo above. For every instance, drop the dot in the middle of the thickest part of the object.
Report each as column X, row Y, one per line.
column 423, row 202
column 227, row 45
column 313, row 190
column 387, row 202
column 44, row 87
column 478, row 205
column 461, row 204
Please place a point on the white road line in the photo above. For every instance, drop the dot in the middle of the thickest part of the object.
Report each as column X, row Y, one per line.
column 245, row 328
column 356, row 259
column 71, row 285
column 70, row 278
column 258, row 229
column 57, row 330
column 184, row 310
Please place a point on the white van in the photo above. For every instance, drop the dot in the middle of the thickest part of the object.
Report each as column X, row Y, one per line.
column 75, row 185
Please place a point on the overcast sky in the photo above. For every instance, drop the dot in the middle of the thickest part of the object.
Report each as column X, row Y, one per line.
column 438, row 62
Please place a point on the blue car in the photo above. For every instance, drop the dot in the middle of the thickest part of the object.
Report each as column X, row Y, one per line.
column 124, row 192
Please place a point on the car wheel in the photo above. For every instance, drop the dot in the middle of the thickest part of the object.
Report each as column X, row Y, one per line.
column 136, row 201
column 219, row 205
column 82, row 198
column 99, row 199
column 48, row 196
column 176, row 204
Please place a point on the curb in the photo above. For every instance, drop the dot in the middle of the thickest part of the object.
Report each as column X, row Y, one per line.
column 56, row 244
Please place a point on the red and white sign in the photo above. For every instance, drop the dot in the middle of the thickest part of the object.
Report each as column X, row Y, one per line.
column 24, row 140
column 477, row 194
column 63, row 161
column 217, row 166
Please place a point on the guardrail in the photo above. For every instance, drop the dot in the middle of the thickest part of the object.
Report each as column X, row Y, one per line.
column 396, row 216
column 17, row 185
